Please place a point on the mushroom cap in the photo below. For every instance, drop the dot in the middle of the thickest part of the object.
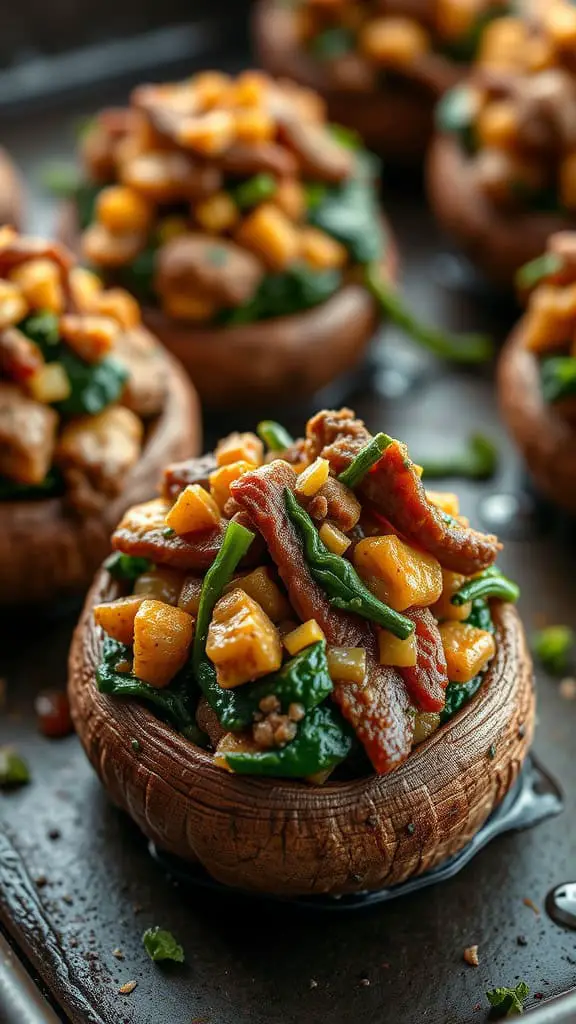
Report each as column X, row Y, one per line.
column 289, row 838
column 284, row 359
column 49, row 552
column 497, row 242
column 396, row 121
column 11, row 192
column 547, row 440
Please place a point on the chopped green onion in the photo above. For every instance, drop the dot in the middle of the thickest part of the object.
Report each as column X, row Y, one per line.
column 537, row 270
column 365, row 459
column 274, row 435
column 255, row 190
column 489, row 583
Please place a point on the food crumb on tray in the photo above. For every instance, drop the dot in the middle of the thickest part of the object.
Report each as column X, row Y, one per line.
column 127, row 988
column 471, row 956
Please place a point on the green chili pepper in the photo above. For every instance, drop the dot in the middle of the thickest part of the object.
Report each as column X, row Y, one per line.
column 304, row 679
column 489, row 583
column 274, row 435
column 126, row 567
column 172, row 702
column 538, row 270
column 481, row 616
column 255, row 190
column 339, row 579
column 478, row 460
column 365, row 459
column 457, row 695
column 320, row 743
column 461, row 348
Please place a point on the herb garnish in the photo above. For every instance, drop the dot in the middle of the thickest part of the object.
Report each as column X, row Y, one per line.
column 508, row 1002
column 13, row 768
column 161, row 945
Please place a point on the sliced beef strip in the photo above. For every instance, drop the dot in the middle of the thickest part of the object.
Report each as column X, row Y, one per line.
column 191, row 471
column 395, row 489
column 222, row 271
column 378, row 709
column 320, row 156
column 141, row 532
column 244, row 159
column 17, row 249
column 426, row 682
column 95, row 454
column 27, row 436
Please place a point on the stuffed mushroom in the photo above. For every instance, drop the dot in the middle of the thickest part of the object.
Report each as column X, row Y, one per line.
column 300, row 668
column 381, row 64
column 537, row 372
column 502, row 170
column 90, row 409
column 249, row 228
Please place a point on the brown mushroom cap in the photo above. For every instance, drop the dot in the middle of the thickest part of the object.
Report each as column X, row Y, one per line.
column 495, row 241
column 48, row 552
column 287, row 837
column 396, row 122
column 11, row 192
column 284, row 359
column 547, row 441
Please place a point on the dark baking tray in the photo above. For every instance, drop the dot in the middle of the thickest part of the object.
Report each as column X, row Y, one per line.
column 67, row 902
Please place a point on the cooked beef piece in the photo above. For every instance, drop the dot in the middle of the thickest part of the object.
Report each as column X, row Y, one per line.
column 20, row 358
column 27, row 436
column 222, row 271
column 142, row 531
column 145, row 389
column 96, row 453
column 378, row 709
column 426, row 682
column 246, row 158
column 191, row 471
column 17, row 249
column 319, row 155
column 395, row 489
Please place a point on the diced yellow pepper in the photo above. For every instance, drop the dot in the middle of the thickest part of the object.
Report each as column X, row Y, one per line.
column 217, row 213
column 250, row 89
column 13, row 305
column 211, row 87
column 425, row 723
column 41, row 284
column 222, row 477
column 253, row 125
column 322, row 251
column 117, row 617
column 269, row 233
column 238, row 447
column 346, row 664
column 313, row 478
column 398, row 574
column 209, row 134
column 468, row 650
column 301, row 637
column 162, row 638
column 259, row 585
column 393, row 651
column 444, row 609
column 49, row 384
column 334, row 539
column 85, row 286
column 502, row 43
column 194, row 510
column 118, row 304
column 445, row 500
column 123, row 211
column 243, row 643
column 91, row 337
column 393, row 42
column 162, row 584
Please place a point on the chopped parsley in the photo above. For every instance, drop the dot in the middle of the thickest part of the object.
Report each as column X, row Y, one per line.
column 508, row 1002
column 161, row 945
column 13, row 768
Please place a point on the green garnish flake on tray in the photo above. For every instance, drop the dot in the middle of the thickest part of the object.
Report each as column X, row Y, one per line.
column 14, row 770
column 553, row 646
column 161, row 945
column 508, row 1002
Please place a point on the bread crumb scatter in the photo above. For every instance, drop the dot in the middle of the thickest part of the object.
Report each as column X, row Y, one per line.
column 529, row 903
column 471, row 956
column 127, row 988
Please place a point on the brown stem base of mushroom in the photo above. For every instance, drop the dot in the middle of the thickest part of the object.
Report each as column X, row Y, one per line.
column 546, row 440
column 47, row 552
column 498, row 243
column 290, row 838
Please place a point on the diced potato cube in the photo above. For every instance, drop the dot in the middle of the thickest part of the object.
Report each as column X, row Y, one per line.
column 240, row 448
column 301, row 637
column 269, row 233
column 13, row 305
column 243, row 643
column 217, row 213
column 291, row 198
column 393, row 651
column 398, row 574
column 123, row 211
column 189, row 599
column 40, row 283
column 90, row 337
column 394, row 42
column 445, row 501
column 497, row 125
column 253, row 125
column 162, row 584
column 259, row 585
column 425, row 723
column 49, row 384
column 85, row 287
column 313, row 478
column 551, row 317
column 468, row 650
column 334, row 539
column 194, row 510
column 187, row 306
column 120, row 306
column 502, row 43
column 250, row 89
column 117, row 617
column 347, row 664
column 211, row 87
column 209, row 134
column 162, row 639
column 322, row 251
column 444, row 609
column 221, row 479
